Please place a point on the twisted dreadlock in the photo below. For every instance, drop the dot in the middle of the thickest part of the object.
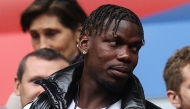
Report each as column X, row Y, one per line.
column 94, row 24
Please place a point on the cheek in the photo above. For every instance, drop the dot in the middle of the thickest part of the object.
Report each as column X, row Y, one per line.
column 106, row 55
column 135, row 60
column 104, row 52
column 30, row 91
column 102, row 55
column 185, row 94
column 35, row 45
column 64, row 42
column 26, row 94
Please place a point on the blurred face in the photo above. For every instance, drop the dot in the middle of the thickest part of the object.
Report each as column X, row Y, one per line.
column 47, row 32
column 185, row 88
column 110, row 59
column 35, row 69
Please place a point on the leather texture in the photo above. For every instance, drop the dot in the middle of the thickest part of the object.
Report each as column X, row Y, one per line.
column 60, row 89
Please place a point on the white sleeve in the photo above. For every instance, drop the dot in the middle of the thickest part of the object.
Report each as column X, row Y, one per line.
column 28, row 105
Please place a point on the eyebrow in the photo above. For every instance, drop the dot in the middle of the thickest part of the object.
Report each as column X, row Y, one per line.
column 139, row 42
column 111, row 35
column 50, row 29
column 136, row 42
column 37, row 77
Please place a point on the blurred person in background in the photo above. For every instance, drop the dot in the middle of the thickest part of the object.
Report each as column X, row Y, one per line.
column 177, row 78
column 34, row 66
column 55, row 24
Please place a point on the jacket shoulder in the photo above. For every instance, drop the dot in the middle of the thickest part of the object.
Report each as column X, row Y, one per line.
column 150, row 105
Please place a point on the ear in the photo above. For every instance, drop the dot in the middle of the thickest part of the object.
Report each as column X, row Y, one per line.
column 174, row 98
column 77, row 33
column 17, row 86
column 83, row 44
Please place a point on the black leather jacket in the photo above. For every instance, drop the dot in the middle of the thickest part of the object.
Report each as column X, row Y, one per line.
column 60, row 89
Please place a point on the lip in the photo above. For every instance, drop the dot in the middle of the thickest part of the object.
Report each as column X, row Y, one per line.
column 121, row 71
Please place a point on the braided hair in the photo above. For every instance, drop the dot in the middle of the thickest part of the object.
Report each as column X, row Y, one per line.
column 94, row 24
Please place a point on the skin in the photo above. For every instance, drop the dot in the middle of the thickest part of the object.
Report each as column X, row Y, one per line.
column 47, row 32
column 185, row 88
column 181, row 100
column 35, row 69
column 109, row 60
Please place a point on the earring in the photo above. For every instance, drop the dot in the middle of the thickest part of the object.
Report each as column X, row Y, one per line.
column 84, row 52
column 77, row 45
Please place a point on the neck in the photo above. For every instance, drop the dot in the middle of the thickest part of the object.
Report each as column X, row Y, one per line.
column 93, row 96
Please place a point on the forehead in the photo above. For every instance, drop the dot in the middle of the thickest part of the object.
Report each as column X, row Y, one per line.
column 35, row 66
column 45, row 21
column 123, row 28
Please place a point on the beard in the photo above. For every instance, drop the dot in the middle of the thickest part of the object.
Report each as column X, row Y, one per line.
column 185, row 105
column 112, row 86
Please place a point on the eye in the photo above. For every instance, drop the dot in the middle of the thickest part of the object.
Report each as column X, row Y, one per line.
column 33, row 80
column 113, row 43
column 51, row 33
column 136, row 49
column 34, row 35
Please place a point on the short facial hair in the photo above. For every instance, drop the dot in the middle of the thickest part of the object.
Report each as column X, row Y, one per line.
column 112, row 86
column 184, row 105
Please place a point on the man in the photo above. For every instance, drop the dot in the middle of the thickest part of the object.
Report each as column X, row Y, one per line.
column 34, row 66
column 110, row 41
column 177, row 78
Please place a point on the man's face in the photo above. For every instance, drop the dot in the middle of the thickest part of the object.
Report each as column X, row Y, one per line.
column 35, row 68
column 185, row 88
column 110, row 60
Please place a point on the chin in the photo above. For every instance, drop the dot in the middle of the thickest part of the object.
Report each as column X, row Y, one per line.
column 112, row 86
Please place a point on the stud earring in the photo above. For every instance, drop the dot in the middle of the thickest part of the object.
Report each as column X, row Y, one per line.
column 77, row 45
column 84, row 52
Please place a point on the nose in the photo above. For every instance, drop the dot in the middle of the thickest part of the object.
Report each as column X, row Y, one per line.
column 44, row 43
column 124, row 54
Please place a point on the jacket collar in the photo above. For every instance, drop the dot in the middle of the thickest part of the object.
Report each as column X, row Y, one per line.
column 62, row 85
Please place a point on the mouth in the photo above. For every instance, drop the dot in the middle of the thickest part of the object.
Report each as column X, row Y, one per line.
column 121, row 71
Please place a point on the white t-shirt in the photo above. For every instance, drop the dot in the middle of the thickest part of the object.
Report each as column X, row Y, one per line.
column 28, row 105
column 116, row 105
